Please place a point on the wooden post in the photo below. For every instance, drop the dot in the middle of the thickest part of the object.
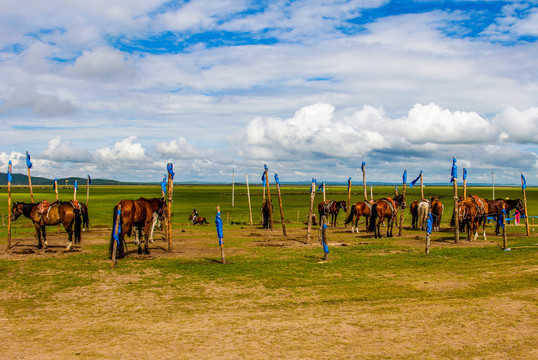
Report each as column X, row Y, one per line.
column 324, row 197
column 169, row 209
column 56, row 192
column 312, row 195
column 88, row 191
column 428, row 233
column 525, row 202
column 218, row 222
column 75, row 185
column 324, row 241
column 269, row 199
column 115, row 231
column 249, row 204
column 281, row 210
column 465, row 184
column 348, row 197
column 9, row 208
column 30, row 178
column 402, row 208
column 505, row 239
column 371, row 193
column 363, row 167
column 456, row 220
column 233, row 187
column 421, row 187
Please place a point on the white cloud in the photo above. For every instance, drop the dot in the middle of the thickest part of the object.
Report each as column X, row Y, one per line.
column 102, row 62
column 125, row 150
column 64, row 151
column 518, row 126
column 178, row 149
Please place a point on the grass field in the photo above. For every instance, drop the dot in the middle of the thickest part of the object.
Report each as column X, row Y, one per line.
column 374, row 298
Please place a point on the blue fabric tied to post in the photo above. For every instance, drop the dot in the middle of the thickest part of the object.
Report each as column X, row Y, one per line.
column 502, row 217
column 454, row 172
column 464, row 174
column 314, row 181
column 28, row 162
column 348, row 183
column 429, row 223
column 89, row 180
column 523, row 182
column 54, row 183
column 170, row 169
column 277, row 180
column 320, row 187
column 362, row 166
column 325, row 247
column 404, row 177
column 414, row 181
column 9, row 176
column 263, row 179
column 76, row 185
column 163, row 184
column 218, row 226
column 116, row 235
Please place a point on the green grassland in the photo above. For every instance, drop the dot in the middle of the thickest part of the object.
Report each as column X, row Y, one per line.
column 374, row 298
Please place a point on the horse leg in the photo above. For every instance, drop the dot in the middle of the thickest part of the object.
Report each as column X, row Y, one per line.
column 138, row 233
column 137, row 237
column 153, row 223
column 146, row 235
column 70, row 241
column 357, row 223
column 38, row 236
column 44, row 233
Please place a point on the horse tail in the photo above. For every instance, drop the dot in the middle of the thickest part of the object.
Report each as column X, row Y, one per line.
column 351, row 215
column 373, row 216
column 85, row 216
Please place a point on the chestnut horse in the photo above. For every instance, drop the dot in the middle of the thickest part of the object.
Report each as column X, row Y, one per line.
column 266, row 215
column 135, row 213
column 413, row 209
column 331, row 207
column 362, row 208
column 495, row 209
column 437, row 212
column 66, row 213
column 385, row 208
column 197, row 220
column 471, row 211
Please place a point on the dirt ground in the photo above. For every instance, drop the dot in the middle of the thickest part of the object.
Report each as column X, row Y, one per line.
column 102, row 322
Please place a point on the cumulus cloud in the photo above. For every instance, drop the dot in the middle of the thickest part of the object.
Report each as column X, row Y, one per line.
column 59, row 151
column 126, row 150
column 40, row 104
column 517, row 126
column 102, row 62
column 178, row 149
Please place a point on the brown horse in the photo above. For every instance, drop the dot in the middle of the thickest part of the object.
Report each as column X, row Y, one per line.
column 331, row 207
column 197, row 220
column 266, row 215
column 413, row 208
column 495, row 209
column 66, row 213
column 385, row 208
column 437, row 213
column 471, row 211
column 362, row 208
column 135, row 213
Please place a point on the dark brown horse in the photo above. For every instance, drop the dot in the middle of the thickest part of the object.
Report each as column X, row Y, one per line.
column 331, row 207
column 471, row 212
column 135, row 213
column 495, row 209
column 413, row 209
column 362, row 208
column 66, row 213
column 197, row 220
column 266, row 214
column 385, row 209
column 437, row 213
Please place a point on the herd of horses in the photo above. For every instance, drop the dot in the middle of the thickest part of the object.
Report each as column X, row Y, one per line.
column 142, row 214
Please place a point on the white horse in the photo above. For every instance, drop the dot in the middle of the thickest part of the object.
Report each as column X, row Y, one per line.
column 423, row 209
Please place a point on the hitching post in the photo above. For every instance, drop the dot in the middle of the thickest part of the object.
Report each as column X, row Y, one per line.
column 523, row 187
column 421, row 187
column 312, row 195
column 465, row 183
column 9, row 180
column 404, row 178
column 505, row 239
column 29, row 166
column 249, row 204
column 170, row 168
column 277, row 181
column 348, row 197
column 456, row 220
column 363, row 167
column 324, row 241
column 220, row 235
column 269, row 197
column 429, row 225
column 56, row 191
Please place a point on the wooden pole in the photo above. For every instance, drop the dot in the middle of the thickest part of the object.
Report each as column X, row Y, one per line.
column 428, row 233
column 221, row 241
column 421, row 187
column 371, row 193
column 169, row 210
column 269, row 198
column 312, row 195
column 249, row 204
column 88, row 191
column 402, row 208
column 505, row 238
column 233, row 187
column 115, row 231
column 348, row 197
column 324, row 237
column 281, row 210
column 30, row 182
column 456, row 220
column 56, row 192
column 9, row 209
column 75, row 190
column 525, row 202
column 324, row 188
column 364, row 181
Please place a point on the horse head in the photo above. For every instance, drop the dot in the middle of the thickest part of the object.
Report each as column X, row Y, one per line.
column 16, row 211
column 342, row 205
column 400, row 200
column 190, row 217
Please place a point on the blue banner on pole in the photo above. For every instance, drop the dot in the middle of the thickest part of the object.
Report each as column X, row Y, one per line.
column 54, row 184
column 116, row 235
column 523, row 182
column 28, row 162
column 9, row 176
column 464, row 174
column 163, row 184
column 404, row 177
column 414, row 181
column 315, row 182
column 170, row 169
column 76, row 185
column 429, row 223
column 89, row 180
column 218, row 225
column 321, row 187
column 325, row 247
column 362, row 166
column 263, row 179
column 277, row 180
column 454, row 172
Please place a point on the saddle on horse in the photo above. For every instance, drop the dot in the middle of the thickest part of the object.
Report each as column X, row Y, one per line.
column 391, row 204
column 327, row 205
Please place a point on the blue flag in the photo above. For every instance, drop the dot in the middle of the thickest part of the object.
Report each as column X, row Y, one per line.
column 116, row 235
column 454, row 172
column 277, row 180
column 89, row 180
column 54, row 183
column 464, row 174
column 76, row 185
column 523, row 182
column 429, row 223
column 321, row 186
column 28, row 162
column 263, row 179
column 163, row 184
column 404, row 176
column 170, row 168
column 314, row 181
column 414, row 181
column 218, row 225
column 362, row 166
column 9, row 176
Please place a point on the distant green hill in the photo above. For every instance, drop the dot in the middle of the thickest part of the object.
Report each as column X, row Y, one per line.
column 20, row 179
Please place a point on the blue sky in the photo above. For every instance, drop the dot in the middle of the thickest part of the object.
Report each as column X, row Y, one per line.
column 116, row 89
